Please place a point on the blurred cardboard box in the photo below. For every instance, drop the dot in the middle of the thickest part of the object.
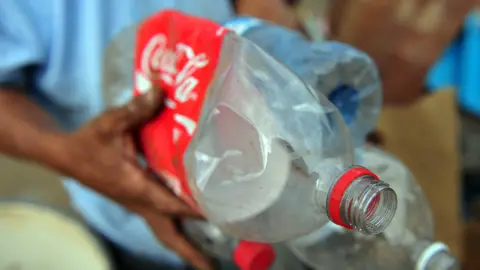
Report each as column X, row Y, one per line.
column 424, row 135
column 471, row 236
column 404, row 37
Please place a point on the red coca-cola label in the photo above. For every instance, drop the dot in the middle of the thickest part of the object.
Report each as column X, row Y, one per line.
column 180, row 53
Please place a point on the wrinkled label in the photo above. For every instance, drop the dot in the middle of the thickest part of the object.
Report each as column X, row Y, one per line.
column 179, row 53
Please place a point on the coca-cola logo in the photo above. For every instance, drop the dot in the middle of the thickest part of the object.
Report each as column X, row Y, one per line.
column 175, row 68
column 159, row 62
column 183, row 64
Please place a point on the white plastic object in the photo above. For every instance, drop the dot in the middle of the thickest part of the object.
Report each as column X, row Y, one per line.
column 35, row 237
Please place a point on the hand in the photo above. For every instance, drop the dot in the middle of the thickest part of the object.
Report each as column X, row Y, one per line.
column 103, row 157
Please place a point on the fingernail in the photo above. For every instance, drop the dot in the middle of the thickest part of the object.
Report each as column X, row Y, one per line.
column 152, row 96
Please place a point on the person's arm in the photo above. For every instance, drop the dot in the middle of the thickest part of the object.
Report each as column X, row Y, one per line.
column 27, row 131
column 100, row 154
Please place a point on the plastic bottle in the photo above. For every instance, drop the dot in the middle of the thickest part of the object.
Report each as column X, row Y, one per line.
column 406, row 244
column 347, row 76
column 264, row 156
column 226, row 250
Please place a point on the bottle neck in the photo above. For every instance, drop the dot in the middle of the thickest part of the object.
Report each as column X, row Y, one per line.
column 436, row 256
column 359, row 200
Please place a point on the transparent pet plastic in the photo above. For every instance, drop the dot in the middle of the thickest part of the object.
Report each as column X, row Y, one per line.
column 346, row 76
column 407, row 244
column 271, row 159
column 268, row 149
column 117, row 68
column 222, row 248
column 209, row 239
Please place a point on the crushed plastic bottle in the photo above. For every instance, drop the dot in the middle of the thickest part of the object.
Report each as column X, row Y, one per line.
column 406, row 244
column 346, row 76
column 225, row 250
column 264, row 156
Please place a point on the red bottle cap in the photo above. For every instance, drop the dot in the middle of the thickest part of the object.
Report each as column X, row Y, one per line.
column 253, row 256
column 339, row 189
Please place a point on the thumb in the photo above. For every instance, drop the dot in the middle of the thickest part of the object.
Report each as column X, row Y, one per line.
column 144, row 108
column 138, row 111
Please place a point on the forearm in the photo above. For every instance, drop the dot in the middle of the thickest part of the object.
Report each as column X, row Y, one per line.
column 27, row 131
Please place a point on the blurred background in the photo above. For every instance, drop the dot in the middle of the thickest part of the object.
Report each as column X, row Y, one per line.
column 428, row 53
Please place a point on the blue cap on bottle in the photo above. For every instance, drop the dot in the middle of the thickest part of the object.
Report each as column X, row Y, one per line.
column 346, row 99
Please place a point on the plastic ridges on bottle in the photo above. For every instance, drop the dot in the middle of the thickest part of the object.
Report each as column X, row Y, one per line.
column 241, row 25
column 428, row 253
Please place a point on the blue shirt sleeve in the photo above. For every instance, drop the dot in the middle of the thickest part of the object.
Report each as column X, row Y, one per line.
column 21, row 44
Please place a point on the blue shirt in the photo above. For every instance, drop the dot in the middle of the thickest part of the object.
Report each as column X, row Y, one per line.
column 55, row 49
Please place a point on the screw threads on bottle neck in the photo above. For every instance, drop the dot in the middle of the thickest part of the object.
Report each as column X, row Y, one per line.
column 359, row 200
column 368, row 205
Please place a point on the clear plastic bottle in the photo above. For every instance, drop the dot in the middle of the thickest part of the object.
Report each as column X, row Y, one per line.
column 268, row 159
column 406, row 244
column 346, row 76
column 226, row 250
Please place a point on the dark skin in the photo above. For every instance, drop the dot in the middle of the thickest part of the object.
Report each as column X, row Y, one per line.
column 102, row 156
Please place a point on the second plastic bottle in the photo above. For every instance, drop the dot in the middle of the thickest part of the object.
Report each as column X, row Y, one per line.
column 407, row 244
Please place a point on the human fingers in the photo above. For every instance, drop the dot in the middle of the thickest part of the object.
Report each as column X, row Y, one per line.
column 130, row 147
column 138, row 111
column 179, row 243
column 150, row 192
column 163, row 199
column 167, row 232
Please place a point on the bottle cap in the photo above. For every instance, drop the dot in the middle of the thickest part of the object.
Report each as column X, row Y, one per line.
column 253, row 256
column 347, row 100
